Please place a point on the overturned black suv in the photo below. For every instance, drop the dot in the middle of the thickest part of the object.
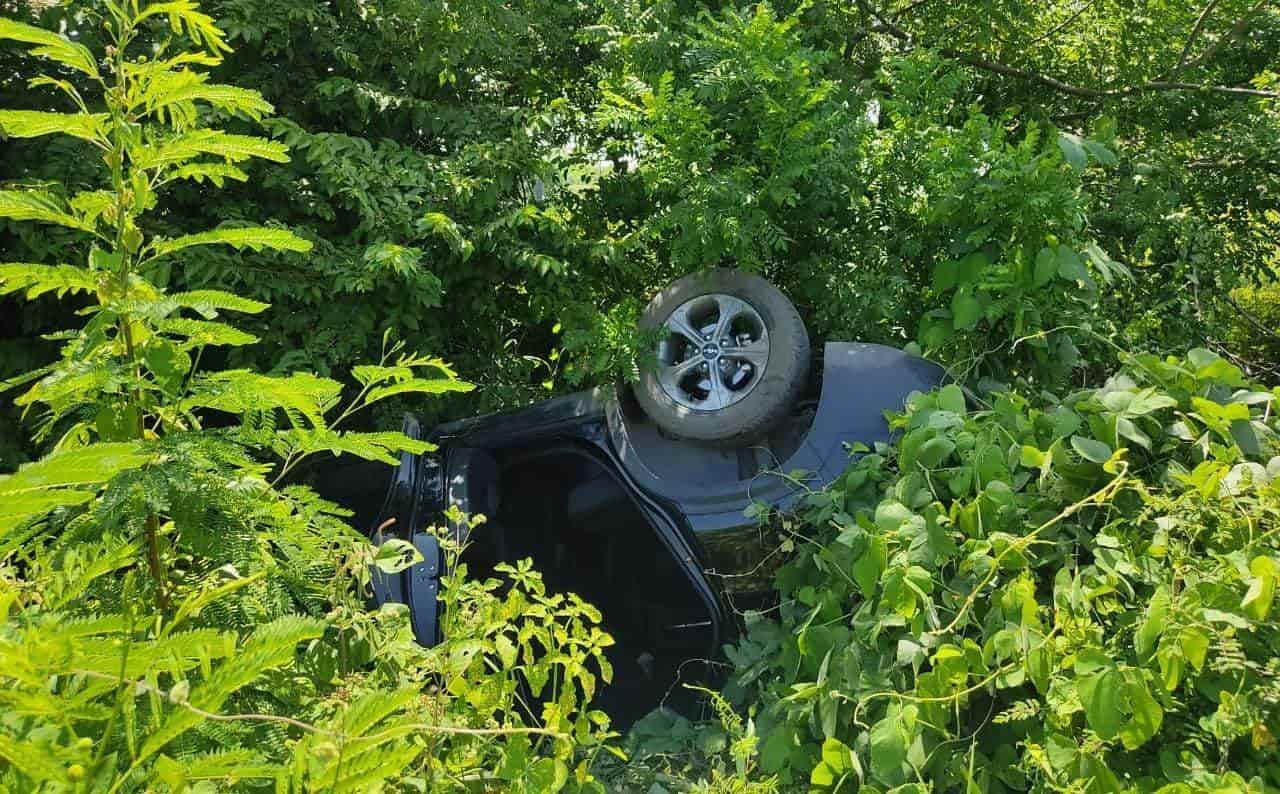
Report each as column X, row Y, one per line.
column 634, row 498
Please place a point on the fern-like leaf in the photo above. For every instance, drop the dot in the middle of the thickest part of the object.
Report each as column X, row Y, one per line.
column 185, row 17
column 418, row 386
column 50, row 45
column 270, row 646
column 217, row 173
column 34, row 761
column 41, row 206
column 63, row 479
column 89, row 465
column 16, row 511
column 208, row 302
column 184, row 89
column 200, row 333
column 303, row 397
column 379, row 446
column 39, row 279
column 253, row 237
column 232, row 148
column 227, row 766
column 36, row 123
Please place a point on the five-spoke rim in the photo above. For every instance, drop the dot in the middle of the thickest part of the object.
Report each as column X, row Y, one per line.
column 713, row 352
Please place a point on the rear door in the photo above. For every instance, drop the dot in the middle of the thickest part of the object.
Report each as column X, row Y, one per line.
column 471, row 479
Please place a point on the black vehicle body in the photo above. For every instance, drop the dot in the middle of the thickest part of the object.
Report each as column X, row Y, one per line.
column 649, row 528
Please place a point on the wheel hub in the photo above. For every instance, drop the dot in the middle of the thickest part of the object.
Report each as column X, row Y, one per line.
column 714, row 351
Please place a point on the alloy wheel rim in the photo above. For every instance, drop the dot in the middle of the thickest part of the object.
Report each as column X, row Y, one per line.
column 713, row 352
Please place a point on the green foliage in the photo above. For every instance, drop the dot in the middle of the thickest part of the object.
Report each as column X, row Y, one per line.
column 1020, row 189
column 1251, row 331
column 666, row 751
column 176, row 617
column 1016, row 260
column 1053, row 593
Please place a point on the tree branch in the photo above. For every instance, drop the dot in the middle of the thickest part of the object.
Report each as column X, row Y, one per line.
column 1063, row 24
column 1191, row 38
column 1086, row 92
column 1237, row 29
column 1154, row 86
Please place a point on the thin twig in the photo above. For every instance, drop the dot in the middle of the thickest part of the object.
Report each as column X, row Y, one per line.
column 1097, row 497
column 1191, row 38
column 1064, row 23
column 1254, row 321
column 143, row 686
column 1237, row 29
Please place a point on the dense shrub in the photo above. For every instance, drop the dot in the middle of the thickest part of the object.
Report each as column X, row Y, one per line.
column 1048, row 590
column 1255, row 318
column 1037, row 593
column 176, row 616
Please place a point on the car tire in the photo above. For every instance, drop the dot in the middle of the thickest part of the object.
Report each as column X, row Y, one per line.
column 749, row 337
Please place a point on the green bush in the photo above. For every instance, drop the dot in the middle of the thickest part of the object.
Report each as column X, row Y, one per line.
column 1037, row 593
column 1253, row 329
column 176, row 616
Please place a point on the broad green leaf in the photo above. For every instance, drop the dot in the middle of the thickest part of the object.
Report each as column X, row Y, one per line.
column 1126, row 428
column 1091, row 449
column 1146, row 715
column 395, row 555
column 837, row 764
column 966, row 310
column 934, row 451
column 944, row 275
column 1153, row 622
column 890, row 738
column 1229, row 618
column 1102, row 695
column 1071, row 267
column 547, row 774
column 1030, row 457
column 256, row 238
column 890, row 515
column 1073, row 150
column 777, row 748
column 1149, row 400
column 1262, row 590
column 951, row 398
column 1046, row 266
column 1098, row 152
column 868, row 568
column 1194, row 642
column 1104, row 264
